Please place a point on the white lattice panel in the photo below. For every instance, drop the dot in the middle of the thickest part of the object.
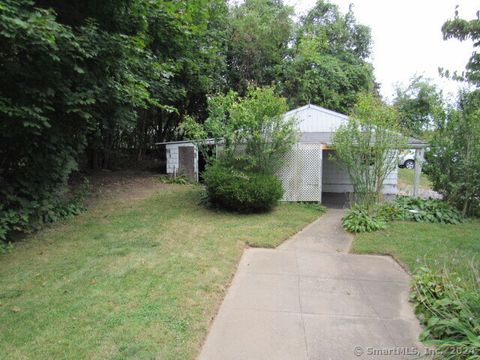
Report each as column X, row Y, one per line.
column 301, row 174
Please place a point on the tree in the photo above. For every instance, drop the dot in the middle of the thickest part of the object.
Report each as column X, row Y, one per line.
column 259, row 35
column 368, row 146
column 463, row 30
column 97, row 81
column 453, row 163
column 44, row 110
column 250, row 131
column 328, row 65
column 420, row 106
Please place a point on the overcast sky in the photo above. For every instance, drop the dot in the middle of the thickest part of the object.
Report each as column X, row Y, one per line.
column 407, row 38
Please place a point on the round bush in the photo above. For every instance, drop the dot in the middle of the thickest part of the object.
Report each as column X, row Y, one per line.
column 245, row 192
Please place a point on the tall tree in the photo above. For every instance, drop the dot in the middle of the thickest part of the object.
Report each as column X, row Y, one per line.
column 328, row 65
column 420, row 106
column 259, row 35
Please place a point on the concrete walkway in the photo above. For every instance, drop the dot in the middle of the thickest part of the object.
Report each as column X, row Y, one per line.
column 310, row 299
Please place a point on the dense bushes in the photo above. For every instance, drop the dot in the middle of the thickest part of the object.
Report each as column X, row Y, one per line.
column 449, row 308
column 245, row 192
column 90, row 82
column 429, row 211
column 32, row 215
column 362, row 219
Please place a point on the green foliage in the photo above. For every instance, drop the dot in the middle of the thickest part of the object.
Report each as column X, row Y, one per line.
column 462, row 30
column 34, row 215
column 250, row 132
column 359, row 219
column 179, row 180
column 5, row 247
column 240, row 191
column 420, row 106
column 449, row 308
column 427, row 210
column 328, row 62
column 368, row 146
column 389, row 211
column 453, row 162
column 95, row 83
column 364, row 218
column 259, row 35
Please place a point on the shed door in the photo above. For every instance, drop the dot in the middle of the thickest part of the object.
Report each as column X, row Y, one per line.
column 186, row 162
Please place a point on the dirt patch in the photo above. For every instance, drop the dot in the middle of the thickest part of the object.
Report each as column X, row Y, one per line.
column 128, row 185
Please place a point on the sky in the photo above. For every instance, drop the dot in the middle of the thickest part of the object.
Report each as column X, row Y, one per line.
column 407, row 38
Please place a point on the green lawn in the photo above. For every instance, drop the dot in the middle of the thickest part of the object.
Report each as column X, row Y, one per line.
column 129, row 278
column 414, row 244
column 406, row 176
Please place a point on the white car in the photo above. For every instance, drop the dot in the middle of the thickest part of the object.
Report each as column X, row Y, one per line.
column 407, row 159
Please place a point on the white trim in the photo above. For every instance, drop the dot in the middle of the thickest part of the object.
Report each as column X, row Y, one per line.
column 206, row 141
column 317, row 108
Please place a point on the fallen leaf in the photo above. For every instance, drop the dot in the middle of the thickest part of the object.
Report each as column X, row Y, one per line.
column 93, row 281
column 15, row 309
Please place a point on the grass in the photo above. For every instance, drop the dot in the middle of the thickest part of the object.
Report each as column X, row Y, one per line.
column 129, row 278
column 406, row 176
column 455, row 247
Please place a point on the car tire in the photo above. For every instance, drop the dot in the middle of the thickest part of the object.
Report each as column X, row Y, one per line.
column 409, row 164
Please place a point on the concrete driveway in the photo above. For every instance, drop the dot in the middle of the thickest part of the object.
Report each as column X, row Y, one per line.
column 310, row 299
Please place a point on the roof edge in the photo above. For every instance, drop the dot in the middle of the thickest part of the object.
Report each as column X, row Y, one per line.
column 318, row 108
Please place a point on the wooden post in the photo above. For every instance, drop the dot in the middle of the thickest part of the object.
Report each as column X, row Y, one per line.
column 320, row 174
column 418, row 170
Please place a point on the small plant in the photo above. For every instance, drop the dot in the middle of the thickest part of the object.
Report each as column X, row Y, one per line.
column 179, row 180
column 235, row 190
column 358, row 219
column 389, row 211
column 5, row 247
column 313, row 205
column 430, row 210
column 449, row 307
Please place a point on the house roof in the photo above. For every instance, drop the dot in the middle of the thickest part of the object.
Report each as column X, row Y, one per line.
column 317, row 108
column 313, row 137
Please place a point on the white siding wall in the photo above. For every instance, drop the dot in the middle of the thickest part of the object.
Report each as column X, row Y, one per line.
column 337, row 180
column 172, row 158
column 312, row 118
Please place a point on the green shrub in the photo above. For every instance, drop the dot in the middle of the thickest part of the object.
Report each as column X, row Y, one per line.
column 389, row 211
column 33, row 215
column 430, row 210
column 449, row 307
column 358, row 219
column 236, row 190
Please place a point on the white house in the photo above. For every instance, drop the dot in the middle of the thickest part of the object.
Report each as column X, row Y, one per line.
column 310, row 169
